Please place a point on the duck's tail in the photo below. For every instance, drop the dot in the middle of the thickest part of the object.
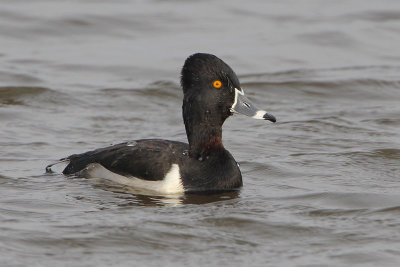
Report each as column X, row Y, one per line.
column 49, row 167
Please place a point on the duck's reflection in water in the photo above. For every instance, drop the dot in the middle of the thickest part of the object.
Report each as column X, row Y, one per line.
column 184, row 199
column 138, row 197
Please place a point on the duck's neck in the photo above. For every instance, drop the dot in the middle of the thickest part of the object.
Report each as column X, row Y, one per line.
column 204, row 140
column 204, row 132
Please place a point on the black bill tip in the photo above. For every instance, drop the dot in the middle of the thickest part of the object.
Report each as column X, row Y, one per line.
column 269, row 117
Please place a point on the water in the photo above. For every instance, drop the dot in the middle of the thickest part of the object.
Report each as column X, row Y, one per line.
column 321, row 186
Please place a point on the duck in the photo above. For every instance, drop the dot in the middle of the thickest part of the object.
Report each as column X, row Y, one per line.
column 211, row 94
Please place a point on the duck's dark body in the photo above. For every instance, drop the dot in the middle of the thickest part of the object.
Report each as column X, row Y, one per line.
column 212, row 93
column 151, row 159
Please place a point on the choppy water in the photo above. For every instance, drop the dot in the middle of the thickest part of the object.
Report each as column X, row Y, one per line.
column 321, row 186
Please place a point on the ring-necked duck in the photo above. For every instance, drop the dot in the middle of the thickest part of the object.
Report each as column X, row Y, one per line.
column 212, row 93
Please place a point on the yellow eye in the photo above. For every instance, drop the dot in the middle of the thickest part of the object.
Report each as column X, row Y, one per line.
column 217, row 84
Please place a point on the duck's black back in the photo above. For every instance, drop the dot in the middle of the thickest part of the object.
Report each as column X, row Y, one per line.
column 148, row 159
column 151, row 159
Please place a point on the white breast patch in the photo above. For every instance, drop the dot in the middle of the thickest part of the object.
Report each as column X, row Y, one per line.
column 171, row 184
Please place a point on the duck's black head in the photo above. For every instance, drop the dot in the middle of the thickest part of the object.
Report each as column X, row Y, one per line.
column 212, row 92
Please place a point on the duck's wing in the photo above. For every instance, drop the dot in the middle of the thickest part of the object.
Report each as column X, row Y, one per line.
column 149, row 159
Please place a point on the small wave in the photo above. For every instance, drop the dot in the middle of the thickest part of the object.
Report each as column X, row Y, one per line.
column 328, row 38
column 374, row 16
column 20, row 78
column 347, row 201
column 36, row 96
column 159, row 89
column 13, row 95
column 333, row 87
column 357, row 81
column 390, row 209
column 360, row 88
column 334, row 212
column 383, row 153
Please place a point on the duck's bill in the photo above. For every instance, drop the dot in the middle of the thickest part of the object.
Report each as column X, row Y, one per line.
column 244, row 106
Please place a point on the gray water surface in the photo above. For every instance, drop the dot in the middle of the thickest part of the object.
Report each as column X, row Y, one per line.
column 321, row 186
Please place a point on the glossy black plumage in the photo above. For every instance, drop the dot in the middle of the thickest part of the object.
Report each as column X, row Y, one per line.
column 146, row 159
column 151, row 159
column 204, row 163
